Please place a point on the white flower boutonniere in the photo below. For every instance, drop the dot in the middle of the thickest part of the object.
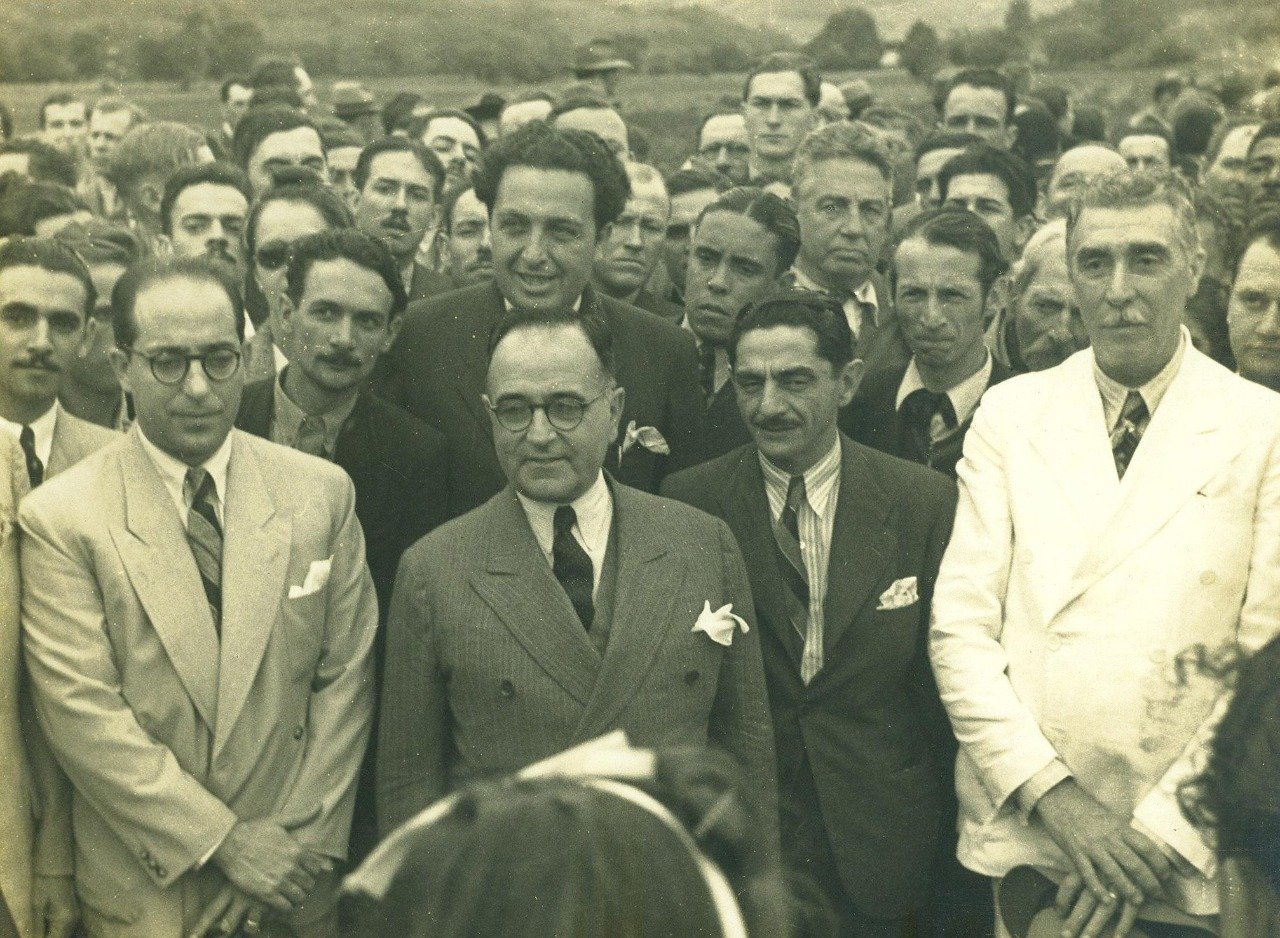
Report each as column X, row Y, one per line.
column 719, row 625
column 649, row 438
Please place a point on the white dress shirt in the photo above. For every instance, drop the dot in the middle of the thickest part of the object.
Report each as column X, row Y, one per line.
column 42, row 428
column 1114, row 393
column 964, row 397
column 865, row 294
column 594, row 510
column 173, row 473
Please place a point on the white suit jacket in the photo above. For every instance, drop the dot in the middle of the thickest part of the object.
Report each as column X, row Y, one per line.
column 168, row 733
column 1066, row 596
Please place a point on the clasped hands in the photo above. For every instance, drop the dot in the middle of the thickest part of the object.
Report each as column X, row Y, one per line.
column 267, row 870
column 1115, row 868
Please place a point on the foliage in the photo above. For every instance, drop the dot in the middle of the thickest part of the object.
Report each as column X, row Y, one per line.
column 921, row 51
column 849, row 39
column 979, row 48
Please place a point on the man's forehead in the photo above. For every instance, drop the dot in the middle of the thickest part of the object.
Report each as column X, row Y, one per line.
column 41, row 288
column 1088, row 160
column 787, row 84
column 736, row 234
column 975, row 98
column 846, row 176
column 400, row 166
column 186, row 310
column 342, row 280
column 65, row 110
column 210, row 196
column 724, row 128
column 1267, row 146
column 917, row 259
column 455, row 128
column 543, row 356
column 931, row 163
column 1261, row 260
column 293, row 140
column 986, row 185
column 1123, row 227
column 777, row 348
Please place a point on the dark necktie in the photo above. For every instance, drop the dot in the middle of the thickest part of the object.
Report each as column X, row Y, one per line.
column 572, row 566
column 1127, row 433
column 35, row 468
column 204, row 533
column 786, row 534
column 707, row 370
column 917, row 413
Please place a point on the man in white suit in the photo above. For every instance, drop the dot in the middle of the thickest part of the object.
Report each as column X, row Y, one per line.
column 1115, row 511
column 198, row 619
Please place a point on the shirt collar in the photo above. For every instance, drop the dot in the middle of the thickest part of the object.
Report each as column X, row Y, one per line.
column 173, row 471
column 41, row 428
column 509, row 306
column 964, row 396
column 865, row 295
column 593, row 508
column 819, row 481
column 1114, row 393
column 289, row 417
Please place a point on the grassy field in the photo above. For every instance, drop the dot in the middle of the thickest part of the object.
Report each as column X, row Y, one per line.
column 666, row 108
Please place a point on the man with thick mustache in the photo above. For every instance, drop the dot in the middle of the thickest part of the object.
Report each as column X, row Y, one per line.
column 400, row 183
column 203, row 212
column 552, row 195
column 1262, row 171
column 343, row 308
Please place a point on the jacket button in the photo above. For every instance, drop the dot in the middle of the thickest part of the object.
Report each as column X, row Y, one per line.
column 691, row 677
column 298, row 731
column 507, row 689
column 1055, row 642
column 1208, row 578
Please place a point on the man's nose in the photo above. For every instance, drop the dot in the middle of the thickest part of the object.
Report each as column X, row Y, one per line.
column 402, row 197
column 540, row 429
column 1119, row 289
column 933, row 316
column 196, row 383
column 40, row 339
column 340, row 335
column 1269, row 324
column 719, row 282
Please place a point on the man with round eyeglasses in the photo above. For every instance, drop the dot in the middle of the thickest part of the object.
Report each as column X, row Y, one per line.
column 565, row 606
column 199, row 640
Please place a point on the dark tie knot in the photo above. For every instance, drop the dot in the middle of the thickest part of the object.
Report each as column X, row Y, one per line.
column 923, row 405
column 795, row 493
column 199, row 483
column 565, row 519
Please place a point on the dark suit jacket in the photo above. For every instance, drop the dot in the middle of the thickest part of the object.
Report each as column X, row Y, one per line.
column 399, row 466
column 726, row 429
column 886, row 432
column 869, row 726
column 652, row 303
column 436, row 371
column 489, row 668
column 426, row 283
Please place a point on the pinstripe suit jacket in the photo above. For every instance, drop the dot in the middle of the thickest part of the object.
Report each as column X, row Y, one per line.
column 488, row 668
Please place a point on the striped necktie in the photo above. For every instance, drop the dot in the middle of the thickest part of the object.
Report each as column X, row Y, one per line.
column 204, row 533
column 786, row 535
column 1127, row 433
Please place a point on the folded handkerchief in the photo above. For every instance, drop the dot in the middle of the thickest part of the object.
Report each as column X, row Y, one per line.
column 900, row 593
column 317, row 577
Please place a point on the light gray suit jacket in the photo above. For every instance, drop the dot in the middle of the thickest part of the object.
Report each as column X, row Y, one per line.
column 168, row 733
column 489, row 668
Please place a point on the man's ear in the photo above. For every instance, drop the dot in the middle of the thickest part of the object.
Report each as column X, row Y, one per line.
column 617, row 400
column 150, row 196
column 997, row 298
column 286, row 310
column 393, row 330
column 849, row 378
column 1010, row 135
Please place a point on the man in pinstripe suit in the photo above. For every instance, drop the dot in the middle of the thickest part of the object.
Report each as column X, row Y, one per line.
column 567, row 605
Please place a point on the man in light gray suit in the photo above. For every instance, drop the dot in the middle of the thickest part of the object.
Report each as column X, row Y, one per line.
column 567, row 605
column 198, row 619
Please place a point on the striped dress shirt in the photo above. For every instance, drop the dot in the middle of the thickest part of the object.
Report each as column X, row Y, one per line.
column 816, row 520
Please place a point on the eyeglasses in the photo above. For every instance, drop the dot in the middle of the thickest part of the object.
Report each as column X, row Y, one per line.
column 273, row 255
column 171, row 368
column 564, row 412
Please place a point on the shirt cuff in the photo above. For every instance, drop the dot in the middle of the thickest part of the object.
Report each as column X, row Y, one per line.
column 204, row 860
column 1038, row 786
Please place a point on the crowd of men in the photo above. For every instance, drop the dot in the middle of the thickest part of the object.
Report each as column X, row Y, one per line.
column 358, row 451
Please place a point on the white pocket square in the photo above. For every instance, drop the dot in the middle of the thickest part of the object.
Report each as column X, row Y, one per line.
column 899, row 594
column 317, row 577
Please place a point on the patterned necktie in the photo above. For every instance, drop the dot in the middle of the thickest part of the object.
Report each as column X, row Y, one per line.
column 707, row 370
column 311, row 437
column 571, row 565
column 1128, row 430
column 920, row 410
column 204, row 534
column 786, row 535
column 35, row 468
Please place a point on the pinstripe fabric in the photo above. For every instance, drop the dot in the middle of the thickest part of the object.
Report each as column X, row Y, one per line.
column 204, row 533
column 816, row 520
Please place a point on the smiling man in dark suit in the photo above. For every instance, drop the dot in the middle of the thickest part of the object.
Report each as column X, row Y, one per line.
column 568, row 605
column 842, row 545
column 551, row 195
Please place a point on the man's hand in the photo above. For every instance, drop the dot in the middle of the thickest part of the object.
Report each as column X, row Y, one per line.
column 230, row 912
column 1114, row 861
column 1085, row 916
column 262, row 859
column 53, row 899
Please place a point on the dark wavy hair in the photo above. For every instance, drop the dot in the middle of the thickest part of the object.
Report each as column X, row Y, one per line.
column 771, row 212
column 1237, row 796
column 820, row 313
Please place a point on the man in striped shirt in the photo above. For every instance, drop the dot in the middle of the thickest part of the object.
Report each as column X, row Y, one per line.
column 842, row 544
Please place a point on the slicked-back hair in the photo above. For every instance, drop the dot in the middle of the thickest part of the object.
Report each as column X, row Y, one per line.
column 1265, row 229
column 982, row 159
column 1223, row 131
column 1127, row 189
column 695, row 179
column 117, row 105
column 1268, row 129
column 320, row 197
column 421, row 152
column 154, row 270
column 772, row 213
column 802, row 65
column 102, row 242
column 538, row 145
column 954, row 227
column 985, row 78
column 62, row 98
column 259, row 123
column 159, row 147
column 418, row 126
column 51, row 255
column 946, row 140
column 216, row 173
column 843, row 140
column 593, row 325
column 344, row 244
column 818, row 312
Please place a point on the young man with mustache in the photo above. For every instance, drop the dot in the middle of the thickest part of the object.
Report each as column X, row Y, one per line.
column 203, row 212
column 343, row 307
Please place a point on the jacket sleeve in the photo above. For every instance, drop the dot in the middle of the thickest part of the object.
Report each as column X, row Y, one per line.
column 994, row 727
column 166, row 817
column 318, row 809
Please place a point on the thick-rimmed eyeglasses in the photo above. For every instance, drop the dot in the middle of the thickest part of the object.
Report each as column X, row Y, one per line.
column 564, row 412
column 219, row 364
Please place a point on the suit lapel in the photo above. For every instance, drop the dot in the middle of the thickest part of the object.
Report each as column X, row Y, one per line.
column 862, row 545
column 255, row 561
column 648, row 583
column 519, row 587
column 154, row 551
column 488, row 309
column 1184, row 445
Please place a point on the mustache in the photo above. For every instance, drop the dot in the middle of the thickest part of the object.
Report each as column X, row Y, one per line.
column 339, row 358
column 38, row 360
column 774, row 424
